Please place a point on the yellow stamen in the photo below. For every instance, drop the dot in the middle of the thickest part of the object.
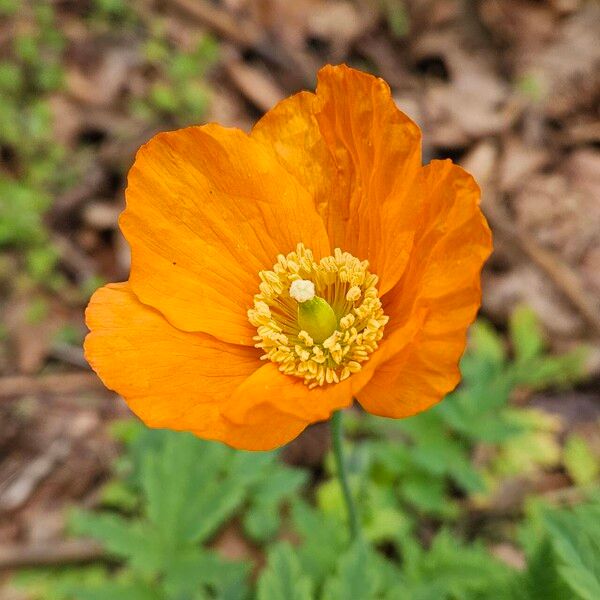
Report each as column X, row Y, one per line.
column 318, row 320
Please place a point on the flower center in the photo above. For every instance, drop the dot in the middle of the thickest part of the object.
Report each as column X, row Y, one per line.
column 318, row 320
column 315, row 316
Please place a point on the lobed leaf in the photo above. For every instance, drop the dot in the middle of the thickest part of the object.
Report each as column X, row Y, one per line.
column 283, row 579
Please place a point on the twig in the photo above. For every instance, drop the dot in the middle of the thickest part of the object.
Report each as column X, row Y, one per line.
column 62, row 553
column 19, row 490
column 61, row 383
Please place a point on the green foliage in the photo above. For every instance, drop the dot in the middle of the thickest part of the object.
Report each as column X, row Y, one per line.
column 580, row 462
column 262, row 518
column 28, row 73
column 541, row 580
column 356, row 575
column 52, row 584
column 69, row 334
column 174, row 494
column 334, row 570
column 532, row 367
column 164, row 548
column 8, row 7
column 21, row 209
column 397, row 17
column 575, row 539
column 282, row 579
column 452, row 570
column 36, row 311
column 535, row 445
column 531, row 86
column 37, row 167
column 111, row 12
column 41, row 262
column 326, row 564
column 179, row 92
column 563, row 563
column 161, row 514
column 563, row 548
column 322, row 541
column 413, row 464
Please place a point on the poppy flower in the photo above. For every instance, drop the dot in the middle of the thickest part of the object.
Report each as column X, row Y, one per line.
column 277, row 275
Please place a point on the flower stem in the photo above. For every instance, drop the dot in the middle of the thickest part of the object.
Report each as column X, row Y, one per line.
column 337, row 434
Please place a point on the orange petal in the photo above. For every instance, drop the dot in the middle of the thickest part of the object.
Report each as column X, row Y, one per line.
column 174, row 379
column 163, row 373
column 289, row 395
column 442, row 282
column 360, row 158
column 264, row 429
column 207, row 209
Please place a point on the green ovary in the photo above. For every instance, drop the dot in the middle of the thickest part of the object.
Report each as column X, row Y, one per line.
column 317, row 318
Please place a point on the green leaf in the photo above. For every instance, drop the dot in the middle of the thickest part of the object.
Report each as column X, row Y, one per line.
column 541, row 580
column 397, row 17
column 58, row 584
column 116, row 494
column 278, row 483
column 112, row 590
column 21, row 209
column 575, row 538
column 453, row 570
column 189, row 488
column 428, row 495
column 323, row 540
column 261, row 522
column 8, row 7
column 129, row 540
column 563, row 549
column 546, row 371
column 579, row 460
column 525, row 334
column 164, row 98
column 531, row 367
column 486, row 344
column 11, row 78
column 41, row 262
column 192, row 487
column 283, row 579
column 355, row 576
column 535, row 446
column 197, row 569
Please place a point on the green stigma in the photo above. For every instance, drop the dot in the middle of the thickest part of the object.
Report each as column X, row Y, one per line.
column 315, row 316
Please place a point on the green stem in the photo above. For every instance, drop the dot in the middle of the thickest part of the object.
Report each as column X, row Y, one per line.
column 337, row 434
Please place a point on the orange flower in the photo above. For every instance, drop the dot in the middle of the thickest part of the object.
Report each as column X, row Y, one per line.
column 277, row 275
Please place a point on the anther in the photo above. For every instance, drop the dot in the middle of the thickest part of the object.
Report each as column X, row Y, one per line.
column 297, row 325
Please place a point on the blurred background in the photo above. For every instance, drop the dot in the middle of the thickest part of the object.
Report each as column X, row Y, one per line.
column 510, row 89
